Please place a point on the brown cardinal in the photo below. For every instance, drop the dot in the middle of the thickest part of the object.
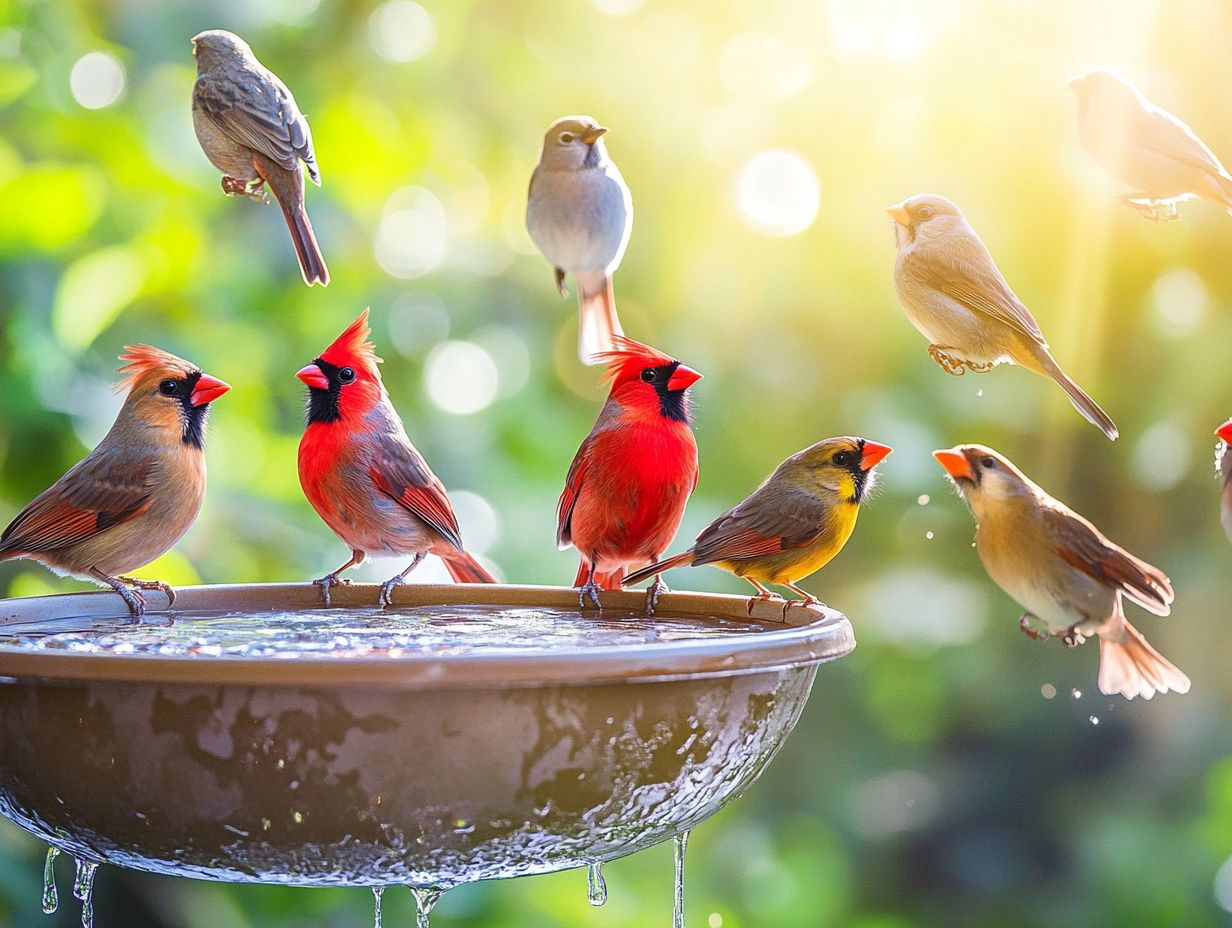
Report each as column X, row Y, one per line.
column 134, row 495
column 362, row 474
column 1223, row 461
column 1063, row 571
column 793, row 524
column 628, row 484
column 250, row 128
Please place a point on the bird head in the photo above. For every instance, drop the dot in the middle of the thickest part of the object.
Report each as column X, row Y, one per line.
column 344, row 381
column 572, row 143
column 645, row 380
column 983, row 477
column 844, row 466
column 215, row 46
column 924, row 216
column 167, row 393
column 1109, row 87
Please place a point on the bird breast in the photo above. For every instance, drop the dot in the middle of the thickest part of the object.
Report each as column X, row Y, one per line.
column 580, row 219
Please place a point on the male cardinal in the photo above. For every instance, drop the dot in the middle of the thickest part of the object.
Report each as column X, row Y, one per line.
column 1063, row 571
column 362, row 474
column 1224, row 463
column 250, row 128
column 792, row 525
column 134, row 495
column 1158, row 155
column 953, row 293
column 579, row 213
column 628, row 484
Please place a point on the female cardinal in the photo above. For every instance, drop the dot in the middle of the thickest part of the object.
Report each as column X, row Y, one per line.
column 793, row 524
column 628, row 484
column 1224, row 463
column 135, row 494
column 362, row 474
column 1067, row 575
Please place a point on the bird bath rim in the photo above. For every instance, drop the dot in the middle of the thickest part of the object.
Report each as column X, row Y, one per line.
column 802, row 635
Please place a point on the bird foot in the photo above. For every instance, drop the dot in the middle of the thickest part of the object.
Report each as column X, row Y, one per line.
column 763, row 598
column 1154, row 210
column 949, row 363
column 254, row 189
column 589, row 589
column 560, row 282
column 1073, row 637
column 326, row 582
column 653, row 592
column 151, row 585
column 977, row 367
column 386, row 597
column 132, row 597
column 1030, row 629
column 803, row 603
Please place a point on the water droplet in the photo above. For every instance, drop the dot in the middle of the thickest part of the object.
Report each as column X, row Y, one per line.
column 378, row 893
column 979, row 392
column 928, row 535
column 1075, row 694
column 596, row 888
column 426, row 899
column 1048, row 691
column 922, row 499
column 682, row 841
column 1094, row 720
column 715, row 920
column 51, row 898
column 83, row 889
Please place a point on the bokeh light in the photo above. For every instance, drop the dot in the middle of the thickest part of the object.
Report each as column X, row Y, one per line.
column 777, row 193
column 413, row 235
column 97, row 80
column 460, row 377
column 1179, row 298
column 401, row 30
column 759, row 66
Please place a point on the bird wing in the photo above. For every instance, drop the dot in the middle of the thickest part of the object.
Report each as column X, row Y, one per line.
column 569, row 495
column 1160, row 131
column 260, row 113
column 979, row 286
column 1082, row 546
column 765, row 523
column 99, row 492
column 399, row 471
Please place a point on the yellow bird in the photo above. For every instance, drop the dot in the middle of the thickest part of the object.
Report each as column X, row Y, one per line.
column 792, row 525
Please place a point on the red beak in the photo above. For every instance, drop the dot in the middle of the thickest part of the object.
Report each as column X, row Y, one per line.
column 873, row 453
column 313, row 376
column 1225, row 431
column 683, row 378
column 207, row 389
column 955, row 463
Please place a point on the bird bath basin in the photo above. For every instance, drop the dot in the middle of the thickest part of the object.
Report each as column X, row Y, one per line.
column 473, row 732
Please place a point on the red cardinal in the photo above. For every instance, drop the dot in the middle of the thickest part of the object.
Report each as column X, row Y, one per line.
column 362, row 474
column 1224, row 463
column 134, row 495
column 626, row 490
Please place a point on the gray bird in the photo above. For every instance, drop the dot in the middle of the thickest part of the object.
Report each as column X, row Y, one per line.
column 1147, row 147
column 579, row 213
column 250, row 128
column 954, row 294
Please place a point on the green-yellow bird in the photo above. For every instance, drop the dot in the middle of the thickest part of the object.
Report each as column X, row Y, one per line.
column 792, row 525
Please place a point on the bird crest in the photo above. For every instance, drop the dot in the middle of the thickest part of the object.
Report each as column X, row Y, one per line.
column 628, row 359
column 146, row 359
column 353, row 345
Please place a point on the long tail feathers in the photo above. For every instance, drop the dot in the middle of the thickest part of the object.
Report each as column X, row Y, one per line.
column 465, row 569
column 683, row 559
column 597, row 320
column 1086, row 406
column 288, row 190
column 1130, row 666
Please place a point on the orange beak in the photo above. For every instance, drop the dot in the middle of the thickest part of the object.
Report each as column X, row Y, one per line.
column 955, row 463
column 873, row 452
column 683, row 378
column 899, row 214
column 1225, row 431
column 593, row 135
column 313, row 376
column 207, row 389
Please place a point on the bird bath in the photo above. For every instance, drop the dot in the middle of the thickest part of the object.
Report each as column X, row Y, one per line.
column 473, row 732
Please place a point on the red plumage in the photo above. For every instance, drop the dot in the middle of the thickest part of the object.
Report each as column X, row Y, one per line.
column 626, row 490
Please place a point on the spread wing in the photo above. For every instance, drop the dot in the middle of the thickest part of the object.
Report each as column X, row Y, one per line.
column 100, row 492
column 1083, row 547
column 400, row 472
column 258, row 111
column 767, row 522
column 1160, row 131
column 975, row 282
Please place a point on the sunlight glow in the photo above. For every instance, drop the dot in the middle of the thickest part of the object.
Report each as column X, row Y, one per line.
column 461, row 377
column 759, row 66
column 896, row 29
column 1179, row 299
column 97, row 80
column 401, row 30
column 778, row 194
column 413, row 233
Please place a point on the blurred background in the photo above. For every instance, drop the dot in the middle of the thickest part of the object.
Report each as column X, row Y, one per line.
column 951, row 771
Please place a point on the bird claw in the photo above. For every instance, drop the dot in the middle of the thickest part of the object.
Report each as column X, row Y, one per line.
column 133, row 598
column 1029, row 629
column 948, row 363
column 653, row 592
column 1073, row 637
column 326, row 582
column 151, row 585
column 802, row 603
column 386, row 597
column 589, row 589
column 763, row 598
column 255, row 189
column 560, row 282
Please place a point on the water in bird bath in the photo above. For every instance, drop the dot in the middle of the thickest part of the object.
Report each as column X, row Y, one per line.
column 51, row 898
column 83, row 890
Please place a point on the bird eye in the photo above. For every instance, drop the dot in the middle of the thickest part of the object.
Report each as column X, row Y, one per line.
column 346, row 375
column 650, row 375
column 988, row 463
column 925, row 212
column 168, row 387
column 566, row 138
column 843, row 459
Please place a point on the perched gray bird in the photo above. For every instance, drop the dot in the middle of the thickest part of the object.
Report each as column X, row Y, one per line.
column 579, row 214
column 954, row 294
column 251, row 130
column 1147, row 147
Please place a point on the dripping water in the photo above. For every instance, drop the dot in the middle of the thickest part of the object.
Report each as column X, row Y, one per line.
column 596, row 887
column 682, row 841
column 51, row 898
column 83, row 889
column 426, row 899
column 377, row 893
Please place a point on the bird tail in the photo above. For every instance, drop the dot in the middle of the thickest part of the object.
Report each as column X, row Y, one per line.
column 607, row 580
column 465, row 569
column 1130, row 666
column 683, row 559
column 1087, row 407
column 598, row 323
column 288, row 190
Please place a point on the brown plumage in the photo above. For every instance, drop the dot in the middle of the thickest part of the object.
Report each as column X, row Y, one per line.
column 133, row 497
column 250, row 128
